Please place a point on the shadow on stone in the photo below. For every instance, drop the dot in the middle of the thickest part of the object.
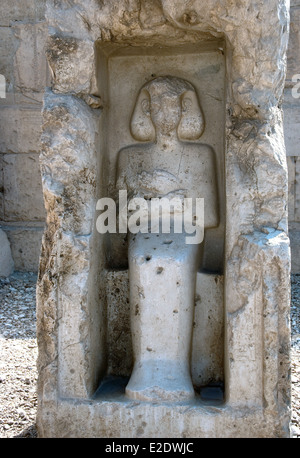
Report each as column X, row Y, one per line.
column 29, row 432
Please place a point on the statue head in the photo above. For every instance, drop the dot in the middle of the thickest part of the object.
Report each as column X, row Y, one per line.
column 166, row 104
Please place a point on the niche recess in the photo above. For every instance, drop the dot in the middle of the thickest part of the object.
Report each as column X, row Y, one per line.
column 122, row 71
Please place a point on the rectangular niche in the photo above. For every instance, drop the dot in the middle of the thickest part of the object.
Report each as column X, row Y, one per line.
column 122, row 71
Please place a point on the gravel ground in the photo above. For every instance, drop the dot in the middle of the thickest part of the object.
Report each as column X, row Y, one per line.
column 18, row 353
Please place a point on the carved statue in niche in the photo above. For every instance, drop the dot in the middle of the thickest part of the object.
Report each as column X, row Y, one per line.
column 167, row 162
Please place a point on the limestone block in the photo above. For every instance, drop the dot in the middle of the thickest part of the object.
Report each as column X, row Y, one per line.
column 15, row 10
column 73, row 64
column 20, row 129
column 7, row 50
column 30, row 64
column 69, row 152
column 73, row 332
column 6, row 260
column 293, row 54
column 80, row 335
column 25, row 247
column 294, row 234
column 262, row 184
column 297, row 190
column 69, row 169
column 295, row 251
column 1, row 189
column 23, row 198
column 257, row 266
column 137, row 420
column 291, row 118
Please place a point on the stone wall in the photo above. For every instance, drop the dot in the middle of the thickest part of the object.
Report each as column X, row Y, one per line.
column 23, row 63
column 292, row 134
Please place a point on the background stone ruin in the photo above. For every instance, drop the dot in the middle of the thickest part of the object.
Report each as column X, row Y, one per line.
column 77, row 292
column 23, row 32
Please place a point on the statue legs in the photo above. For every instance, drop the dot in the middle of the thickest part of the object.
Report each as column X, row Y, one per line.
column 162, row 275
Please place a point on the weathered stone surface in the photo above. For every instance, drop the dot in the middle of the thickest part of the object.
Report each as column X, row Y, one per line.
column 119, row 346
column 1, row 188
column 75, row 163
column 20, row 129
column 291, row 123
column 207, row 362
column 16, row 11
column 25, row 246
column 69, row 139
column 83, row 21
column 294, row 234
column 293, row 55
column 6, row 260
column 297, row 189
column 68, row 162
column 31, row 74
column 22, row 188
column 7, row 51
column 80, row 55
column 257, row 299
column 138, row 420
column 291, row 163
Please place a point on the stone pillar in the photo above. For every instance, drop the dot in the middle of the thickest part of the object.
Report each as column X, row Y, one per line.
column 100, row 56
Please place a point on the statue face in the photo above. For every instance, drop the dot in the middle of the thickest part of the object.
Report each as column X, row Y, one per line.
column 165, row 112
column 164, row 105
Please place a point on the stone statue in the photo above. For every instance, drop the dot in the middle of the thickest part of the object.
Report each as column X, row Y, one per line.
column 167, row 162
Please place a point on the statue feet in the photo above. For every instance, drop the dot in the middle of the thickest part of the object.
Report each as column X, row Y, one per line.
column 162, row 380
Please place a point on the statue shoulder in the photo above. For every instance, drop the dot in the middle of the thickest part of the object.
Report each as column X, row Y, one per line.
column 132, row 150
column 200, row 151
column 128, row 158
column 199, row 148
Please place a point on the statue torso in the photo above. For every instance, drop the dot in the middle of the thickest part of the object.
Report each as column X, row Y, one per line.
column 187, row 171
